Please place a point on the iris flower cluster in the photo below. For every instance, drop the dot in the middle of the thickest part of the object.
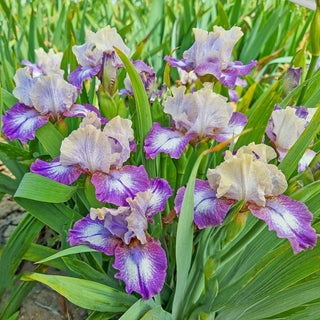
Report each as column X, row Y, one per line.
column 100, row 149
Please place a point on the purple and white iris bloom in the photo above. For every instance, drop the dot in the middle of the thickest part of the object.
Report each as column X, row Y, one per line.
column 40, row 98
column 211, row 54
column 99, row 154
column 148, row 77
column 46, row 63
column 97, row 51
column 248, row 176
column 196, row 116
column 285, row 127
column 121, row 232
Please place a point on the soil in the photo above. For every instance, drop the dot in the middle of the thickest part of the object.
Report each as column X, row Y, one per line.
column 42, row 303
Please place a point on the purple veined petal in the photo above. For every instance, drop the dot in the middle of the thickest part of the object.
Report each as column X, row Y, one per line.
column 165, row 140
column 209, row 211
column 161, row 192
column 306, row 159
column 291, row 79
column 301, row 112
column 182, row 64
column 80, row 74
column 82, row 110
column 142, row 267
column 94, row 234
column 118, row 185
column 290, row 219
column 228, row 76
column 54, row 170
column 21, row 122
column 236, row 124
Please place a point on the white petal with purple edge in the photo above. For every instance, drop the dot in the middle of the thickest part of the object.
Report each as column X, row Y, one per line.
column 142, row 267
column 56, row 171
column 21, row 122
column 208, row 209
column 118, row 185
column 290, row 218
column 306, row 159
column 94, row 234
column 165, row 140
column 236, row 124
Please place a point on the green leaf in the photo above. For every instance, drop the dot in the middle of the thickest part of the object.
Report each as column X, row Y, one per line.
column 50, row 138
column 290, row 162
column 39, row 188
column 284, row 300
column 8, row 185
column 8, row 99
column 15, row 248
column 86, row 294
column 14, row 152
column 137, row 310
column 184, row 242
column 66, row 252
column 142, row 106
column 157, row 313
column 260, row 116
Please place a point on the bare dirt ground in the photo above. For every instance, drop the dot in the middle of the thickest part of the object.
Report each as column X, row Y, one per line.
column 42, row 303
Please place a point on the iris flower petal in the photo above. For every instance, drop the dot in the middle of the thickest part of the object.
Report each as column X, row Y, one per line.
column 118, row 185
column 21, row 122
column 142, row 267
column 208, row 209
column 54, row 170
column 290, row 218
column 165, row 140
column 94, row 234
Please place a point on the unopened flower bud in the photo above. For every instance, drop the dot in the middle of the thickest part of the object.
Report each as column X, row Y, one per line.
column 315, row 32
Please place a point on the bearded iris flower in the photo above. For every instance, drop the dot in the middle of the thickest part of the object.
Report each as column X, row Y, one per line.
column 211, row 54
column 285, row 127
column 248, row 176
column 43, row 95
column 94, row 54
column 196, row 116
column 122, row 232
column 99, row 154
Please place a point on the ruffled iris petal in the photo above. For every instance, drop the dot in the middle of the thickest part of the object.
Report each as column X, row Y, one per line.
column 208, row 209
column 236, row 124
column 142, row 267
column 94, row 234
column 228, row 76
column 118, row 185
column 290, row 218
column 56, row 171
column 82, row 73
column 165, row 140
column 21, row 122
